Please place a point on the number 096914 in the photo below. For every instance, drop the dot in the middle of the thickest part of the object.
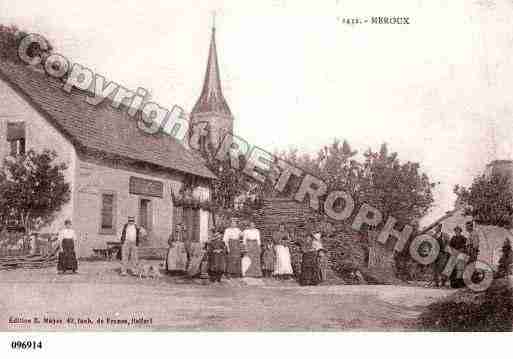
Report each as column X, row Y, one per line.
column 26, row 345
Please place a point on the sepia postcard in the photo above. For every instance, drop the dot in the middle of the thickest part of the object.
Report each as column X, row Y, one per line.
column 271, row 166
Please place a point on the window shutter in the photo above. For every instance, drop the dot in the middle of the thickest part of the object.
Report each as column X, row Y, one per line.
column 107, row 211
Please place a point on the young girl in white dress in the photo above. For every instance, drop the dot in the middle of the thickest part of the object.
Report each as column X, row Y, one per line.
column 283, row 265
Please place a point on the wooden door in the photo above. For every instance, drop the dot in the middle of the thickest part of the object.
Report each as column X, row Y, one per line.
column 145, row 215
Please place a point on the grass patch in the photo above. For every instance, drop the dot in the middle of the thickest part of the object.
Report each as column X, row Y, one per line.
column 490, row 311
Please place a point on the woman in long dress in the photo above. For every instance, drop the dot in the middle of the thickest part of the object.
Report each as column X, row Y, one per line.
column 67, row 257
column 232, row 239
column 296, row 252
column 310, row 269
column 176, row 260
column 322, row 258
column 283, row 265
column 252, row 244
column 197, row 259
column 268, row 258
column 216, row 258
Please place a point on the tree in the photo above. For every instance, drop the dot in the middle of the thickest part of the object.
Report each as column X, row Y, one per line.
column 489, row 200
column 396, row 189
column 10, row 38
column 334, row 164
column 230, row 182
column 33, row 188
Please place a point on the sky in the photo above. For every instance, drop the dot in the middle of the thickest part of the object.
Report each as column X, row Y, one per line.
column 437, row 90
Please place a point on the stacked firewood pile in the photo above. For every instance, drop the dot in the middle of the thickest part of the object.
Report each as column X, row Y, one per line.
column 296, row 217
column 18, row 250
column 347, row 249
column 13, row 243
column 28, row 261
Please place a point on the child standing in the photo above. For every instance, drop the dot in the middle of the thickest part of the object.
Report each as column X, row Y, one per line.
column 267, row 259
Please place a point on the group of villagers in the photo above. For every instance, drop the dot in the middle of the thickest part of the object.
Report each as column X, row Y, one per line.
column 233, row 253
column 466, row 246
column 242, row 252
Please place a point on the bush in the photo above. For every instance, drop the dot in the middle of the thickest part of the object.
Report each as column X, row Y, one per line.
column 468, row 311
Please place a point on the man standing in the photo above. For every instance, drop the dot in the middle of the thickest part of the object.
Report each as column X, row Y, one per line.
column 129, row 243
column 459, row 243
column 439, row 264
column 67, row 256
column 473, row 242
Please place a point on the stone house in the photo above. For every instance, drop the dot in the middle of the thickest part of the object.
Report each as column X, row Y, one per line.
column 115, row 170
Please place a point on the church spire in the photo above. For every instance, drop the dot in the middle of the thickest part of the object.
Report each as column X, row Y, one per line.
column 211, row 98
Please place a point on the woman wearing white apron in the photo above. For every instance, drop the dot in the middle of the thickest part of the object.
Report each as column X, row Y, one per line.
column 283, row 265
column 176, row 260
column 252, row 244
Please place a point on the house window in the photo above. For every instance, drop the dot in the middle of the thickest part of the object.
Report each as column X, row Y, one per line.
column 108, row 213
column 16, row 138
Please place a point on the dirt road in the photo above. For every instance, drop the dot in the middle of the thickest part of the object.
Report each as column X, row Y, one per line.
column 99, row 299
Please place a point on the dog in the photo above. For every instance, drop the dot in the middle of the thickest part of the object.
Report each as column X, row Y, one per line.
column 142, row 270
column 154, row 272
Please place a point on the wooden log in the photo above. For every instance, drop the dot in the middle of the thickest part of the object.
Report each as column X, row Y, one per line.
column 29, row 261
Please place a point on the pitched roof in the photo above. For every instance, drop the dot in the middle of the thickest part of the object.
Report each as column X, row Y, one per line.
column 211, row 98
column 99, row 128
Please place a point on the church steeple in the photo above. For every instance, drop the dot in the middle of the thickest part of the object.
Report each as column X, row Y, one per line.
column 211, row 107
column 211, row 98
